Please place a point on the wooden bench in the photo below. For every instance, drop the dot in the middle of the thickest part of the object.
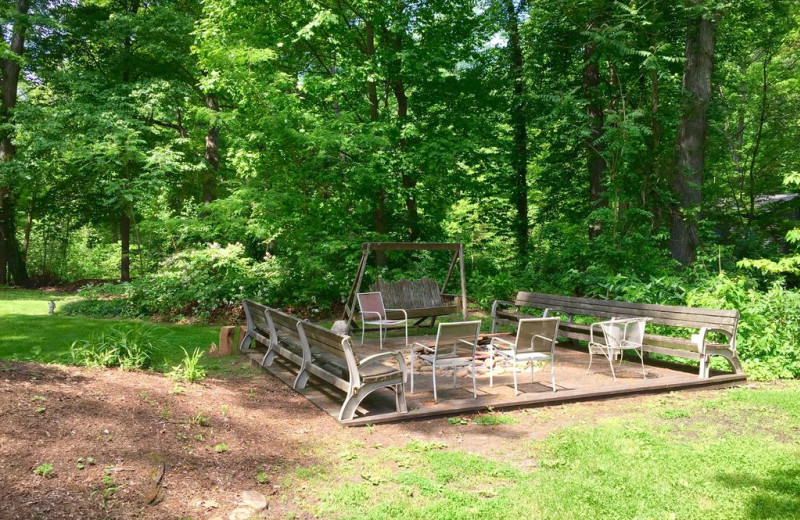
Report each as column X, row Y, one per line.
column 257, row 328
column 420, row 299
column 329, row 356
column 697, row 346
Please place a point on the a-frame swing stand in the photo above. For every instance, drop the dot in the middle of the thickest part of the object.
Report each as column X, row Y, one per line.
column 432, row 312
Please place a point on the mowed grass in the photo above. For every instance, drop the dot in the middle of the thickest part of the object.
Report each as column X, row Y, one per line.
column 28, row 333
column 728, row 455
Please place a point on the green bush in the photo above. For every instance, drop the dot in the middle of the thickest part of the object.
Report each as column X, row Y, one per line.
column 769, row 323
column 115, row 308
column 196, row 282
column 127, row 346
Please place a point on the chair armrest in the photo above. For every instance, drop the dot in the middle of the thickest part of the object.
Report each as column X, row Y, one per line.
column 400, row 310
column 377, row 358
column 593, row 325
column 425, row 348
column 496, row 340
column 376, row 313
column 471, row 344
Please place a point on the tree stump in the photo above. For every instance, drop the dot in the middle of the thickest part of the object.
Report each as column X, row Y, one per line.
column 227, row 341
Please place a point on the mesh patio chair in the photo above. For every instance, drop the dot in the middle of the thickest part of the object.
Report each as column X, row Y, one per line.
column 455, row 347
column 374, row 313
column 620, row 335
column 535, row 342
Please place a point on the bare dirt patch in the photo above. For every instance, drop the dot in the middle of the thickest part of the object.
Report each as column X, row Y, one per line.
column 131, row 445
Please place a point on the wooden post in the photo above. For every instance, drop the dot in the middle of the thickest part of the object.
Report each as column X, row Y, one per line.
column 226, row 341
column 463, row 281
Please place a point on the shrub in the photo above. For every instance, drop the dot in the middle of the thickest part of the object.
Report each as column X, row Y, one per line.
column 126, row 346
column 198, row 281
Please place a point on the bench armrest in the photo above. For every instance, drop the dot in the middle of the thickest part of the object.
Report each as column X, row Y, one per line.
column 699, row 339
column 383, row 356
column 495, row 305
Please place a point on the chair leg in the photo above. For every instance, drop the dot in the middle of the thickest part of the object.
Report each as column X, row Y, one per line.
column 553, row 373
column 433, row 373
column 641, row 358
column 380, row 336
column 412, row 370
column 474, row 382
column 590, row 360
column 362, row 331
column 611, row 364
column 491, row 367
column 454, row 377
column 514, row 369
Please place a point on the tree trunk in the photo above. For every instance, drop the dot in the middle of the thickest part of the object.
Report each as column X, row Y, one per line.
column 126, row 210
column 12, row 263
column 593, row 144
column 374, row 115
column 395, row 69
column 125, row 239
column 688, row 179
column 212, row 154
column 519, row 155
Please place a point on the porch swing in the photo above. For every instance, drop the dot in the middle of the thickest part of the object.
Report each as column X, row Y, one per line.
column 420, row 299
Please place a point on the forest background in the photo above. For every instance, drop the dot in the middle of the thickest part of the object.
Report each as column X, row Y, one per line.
column 206, row 151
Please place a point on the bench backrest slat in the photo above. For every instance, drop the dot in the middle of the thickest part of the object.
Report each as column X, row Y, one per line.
column 285, row 325
column 671, row 315
column 254, row 313
column 324, row 339
column 409, row 294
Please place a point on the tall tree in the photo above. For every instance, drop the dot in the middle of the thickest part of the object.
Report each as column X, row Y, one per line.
column 12, row 262
column 701, row 40
column 519, row 124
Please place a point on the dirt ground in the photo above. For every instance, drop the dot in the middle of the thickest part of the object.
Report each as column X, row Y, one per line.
column 133, row 445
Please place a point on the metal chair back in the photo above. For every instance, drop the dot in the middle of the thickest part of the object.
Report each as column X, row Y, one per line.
column 624, row 334
column 536, row 334
column 371, row 303
column 449, row 335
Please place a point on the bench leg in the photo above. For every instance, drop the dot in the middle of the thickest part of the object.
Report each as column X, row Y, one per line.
column 354, row 399
column 400, row 398
column 301, row 379
column 269, row 357
column 242, row 341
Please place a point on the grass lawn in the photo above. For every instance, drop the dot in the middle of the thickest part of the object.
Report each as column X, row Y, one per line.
column 28, row 333
column 722, row 455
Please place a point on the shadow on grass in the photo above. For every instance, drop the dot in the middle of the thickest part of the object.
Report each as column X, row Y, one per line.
column 776, row 495
column 9, row 294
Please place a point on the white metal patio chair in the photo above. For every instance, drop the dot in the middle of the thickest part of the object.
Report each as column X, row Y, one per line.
column 620, row 335
column 455, row 347
column 535, row 342
column 374, row 313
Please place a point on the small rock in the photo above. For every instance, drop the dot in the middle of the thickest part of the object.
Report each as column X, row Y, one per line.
column 242, row 513
column 254, row 499
column 463, row 373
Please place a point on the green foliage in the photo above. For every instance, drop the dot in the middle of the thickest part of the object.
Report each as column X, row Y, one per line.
column 769, row 326
column 189, row 369
column 131, row 347
column 198, row 281
column 44, row 470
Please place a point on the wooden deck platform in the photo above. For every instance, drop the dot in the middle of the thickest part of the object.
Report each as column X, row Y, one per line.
column 572, row 381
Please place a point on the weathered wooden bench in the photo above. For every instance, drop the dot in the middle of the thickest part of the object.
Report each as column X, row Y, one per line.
column 257, row 329
column 697, row 346
column 329, row 356
column 421, row 299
